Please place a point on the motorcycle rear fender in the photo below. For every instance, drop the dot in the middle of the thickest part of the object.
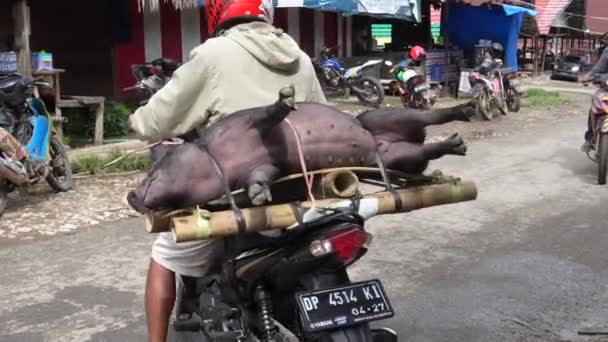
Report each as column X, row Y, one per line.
column 38, row 146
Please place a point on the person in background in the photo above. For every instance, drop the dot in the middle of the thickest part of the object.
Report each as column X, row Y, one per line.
column 600, row 68
column 245, row 65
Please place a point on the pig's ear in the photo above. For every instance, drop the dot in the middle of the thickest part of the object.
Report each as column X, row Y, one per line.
column 159, row 151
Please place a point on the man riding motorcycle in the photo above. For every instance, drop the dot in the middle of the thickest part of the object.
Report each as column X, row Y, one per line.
column 244, row 65
column 601, row 67
column 415, row 61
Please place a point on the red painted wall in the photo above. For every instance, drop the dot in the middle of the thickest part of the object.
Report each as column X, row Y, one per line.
column 170, row 23
column 130, row 53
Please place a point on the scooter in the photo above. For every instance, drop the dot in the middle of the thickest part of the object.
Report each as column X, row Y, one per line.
column 412, row 88
column 151, row 77
column 33, row 128
column 599, row 124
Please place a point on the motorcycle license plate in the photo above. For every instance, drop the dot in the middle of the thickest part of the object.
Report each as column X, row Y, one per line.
column 344, row 306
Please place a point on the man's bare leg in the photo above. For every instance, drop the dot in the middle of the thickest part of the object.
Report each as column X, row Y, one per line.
column 160, row 298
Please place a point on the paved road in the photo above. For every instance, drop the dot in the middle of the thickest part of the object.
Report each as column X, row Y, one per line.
column 530, row 250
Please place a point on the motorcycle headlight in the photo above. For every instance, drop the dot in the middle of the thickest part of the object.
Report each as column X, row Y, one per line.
column 576, row 68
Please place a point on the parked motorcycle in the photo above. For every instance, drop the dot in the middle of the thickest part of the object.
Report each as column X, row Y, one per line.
column 151, row 77
column 494, row 90
column 412, row 88
column 342, row 82
column 32, row 126
column 293, row 287
column 599, row 124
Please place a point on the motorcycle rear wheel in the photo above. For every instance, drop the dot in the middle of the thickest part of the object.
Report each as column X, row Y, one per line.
column 513, row 100
column 359, row 333
column 3, row 196
column 60, row 173
column 602, row 160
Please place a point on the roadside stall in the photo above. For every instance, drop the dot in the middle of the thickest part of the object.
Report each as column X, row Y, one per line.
column 467, row 27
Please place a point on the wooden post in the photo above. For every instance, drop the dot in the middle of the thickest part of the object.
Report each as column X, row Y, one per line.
column 21, row 18
column 542, row 65
column 525, row 53
column 99, row 110
column 535, row 57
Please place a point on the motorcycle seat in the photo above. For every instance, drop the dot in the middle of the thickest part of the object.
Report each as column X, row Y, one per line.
column 9, row 83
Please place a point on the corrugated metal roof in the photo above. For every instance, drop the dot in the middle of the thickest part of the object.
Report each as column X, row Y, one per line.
column 548, row 10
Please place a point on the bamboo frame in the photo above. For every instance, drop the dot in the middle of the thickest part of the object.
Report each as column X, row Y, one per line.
column 202, row 225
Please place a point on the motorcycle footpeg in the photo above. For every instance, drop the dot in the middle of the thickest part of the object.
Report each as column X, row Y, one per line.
column 192, row 324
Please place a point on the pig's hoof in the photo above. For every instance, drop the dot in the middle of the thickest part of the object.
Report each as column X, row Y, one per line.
column 457, row 145
column 287, row 96
column 467, row 112
column 259, row 193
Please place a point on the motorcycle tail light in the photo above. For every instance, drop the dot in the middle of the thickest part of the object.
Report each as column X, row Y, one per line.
column 420, row 80
column 344, row 243
column 152, row 71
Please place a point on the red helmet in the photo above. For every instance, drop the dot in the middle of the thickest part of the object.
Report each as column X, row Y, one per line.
column 220, row 11
column 416, row 52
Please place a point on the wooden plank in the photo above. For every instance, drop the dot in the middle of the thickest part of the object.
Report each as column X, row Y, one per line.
column 98, row 138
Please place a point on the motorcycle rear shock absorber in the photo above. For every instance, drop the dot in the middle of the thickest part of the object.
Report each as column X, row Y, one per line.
column 264, row 302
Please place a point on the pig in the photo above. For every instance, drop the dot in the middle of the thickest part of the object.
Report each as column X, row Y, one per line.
column 256, row 146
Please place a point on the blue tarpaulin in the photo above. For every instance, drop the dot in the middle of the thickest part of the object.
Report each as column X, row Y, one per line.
column 401, row 9
column 327, row 5
column 468, row 24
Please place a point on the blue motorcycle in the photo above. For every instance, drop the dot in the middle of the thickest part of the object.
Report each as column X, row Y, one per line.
column 27, row 119
column 338, row 81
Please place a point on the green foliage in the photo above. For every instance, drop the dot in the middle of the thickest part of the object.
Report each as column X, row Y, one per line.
column 95, row 164
column 538, row 97
column 81, row 122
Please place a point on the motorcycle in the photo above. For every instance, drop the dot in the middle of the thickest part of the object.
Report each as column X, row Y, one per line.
column 336, row 79
column 32, row 126
column 488, row 89
column 599, row 124
column 151, row 77
column 413, row 89
column 292, row 287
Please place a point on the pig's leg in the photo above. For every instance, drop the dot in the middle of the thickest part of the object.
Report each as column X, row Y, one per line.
column 440, row 116
column 259, row 181
column 272, row 115
column 413, row 158
column 452, row 145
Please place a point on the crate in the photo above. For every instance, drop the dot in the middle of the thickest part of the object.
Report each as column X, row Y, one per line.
column 42, row 61
column 8, row 62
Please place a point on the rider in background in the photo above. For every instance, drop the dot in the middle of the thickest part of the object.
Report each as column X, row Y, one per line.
column 416, row 61
column 601, row 67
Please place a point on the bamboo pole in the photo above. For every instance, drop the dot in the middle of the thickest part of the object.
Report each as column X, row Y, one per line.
column 201, row 225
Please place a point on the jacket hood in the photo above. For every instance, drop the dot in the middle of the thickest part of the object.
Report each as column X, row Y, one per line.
column 269, row 45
